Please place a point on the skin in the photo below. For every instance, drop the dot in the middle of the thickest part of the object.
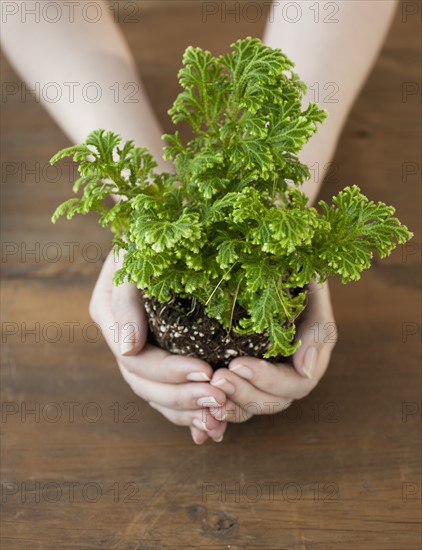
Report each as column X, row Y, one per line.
column 325, row 53
column 154, row 374
column 255, row 386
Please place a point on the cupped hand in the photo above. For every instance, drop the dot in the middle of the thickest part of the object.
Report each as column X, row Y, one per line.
column 254, row 386
column 176, row 386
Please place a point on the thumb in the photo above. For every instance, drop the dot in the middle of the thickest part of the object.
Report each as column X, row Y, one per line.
column 130, row 318
column 317, row 333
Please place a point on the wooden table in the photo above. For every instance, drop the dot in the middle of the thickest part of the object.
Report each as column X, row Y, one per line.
column 88, row 465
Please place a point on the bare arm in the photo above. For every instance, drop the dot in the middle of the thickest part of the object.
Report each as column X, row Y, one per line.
column 341, row 52
column 83, row 53
column 330, row 42
column 93, row 68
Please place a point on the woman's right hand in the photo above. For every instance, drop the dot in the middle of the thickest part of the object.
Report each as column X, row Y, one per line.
column 176, row 386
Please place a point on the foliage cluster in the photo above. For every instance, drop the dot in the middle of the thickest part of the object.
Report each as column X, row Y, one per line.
column 231, row 226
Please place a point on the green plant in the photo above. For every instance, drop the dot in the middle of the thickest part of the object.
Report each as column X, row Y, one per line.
column 230, row 227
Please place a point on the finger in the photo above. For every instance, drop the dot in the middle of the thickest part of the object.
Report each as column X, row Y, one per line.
column 199, row 436
column 192, row 395
column 158, row 365
column 207, row 422
column 198, row 420
column 217, row 435
column 101, row 295
column 317, row 333
column 246, row 394
column 130, row 318
column 232, row 412
column 118, row 311
column 276, row 379
column 130, row 321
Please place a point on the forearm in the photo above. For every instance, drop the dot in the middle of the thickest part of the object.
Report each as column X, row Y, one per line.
column 93, row 69
column 338, row 55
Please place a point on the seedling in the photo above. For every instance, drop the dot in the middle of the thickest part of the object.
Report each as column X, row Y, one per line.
column 224, row 248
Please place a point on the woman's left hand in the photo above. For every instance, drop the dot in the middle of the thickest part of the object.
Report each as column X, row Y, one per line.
column 254, row 386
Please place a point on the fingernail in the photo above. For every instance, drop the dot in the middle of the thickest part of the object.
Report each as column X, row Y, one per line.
column 200, row 424
column 127, row 338
column 208, row 402
column 197, row 441
column 242, row 370
column 224, row 385
column 219, row 440
column 198, row 377
column 309, row 361
column 219, row 414
column 125, row 347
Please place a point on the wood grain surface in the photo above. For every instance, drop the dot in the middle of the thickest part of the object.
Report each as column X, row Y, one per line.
column 94, row 467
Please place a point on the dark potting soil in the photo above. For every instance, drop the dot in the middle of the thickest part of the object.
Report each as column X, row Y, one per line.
column 181, row 326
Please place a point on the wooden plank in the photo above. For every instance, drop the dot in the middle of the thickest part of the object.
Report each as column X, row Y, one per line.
column 339, row 469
